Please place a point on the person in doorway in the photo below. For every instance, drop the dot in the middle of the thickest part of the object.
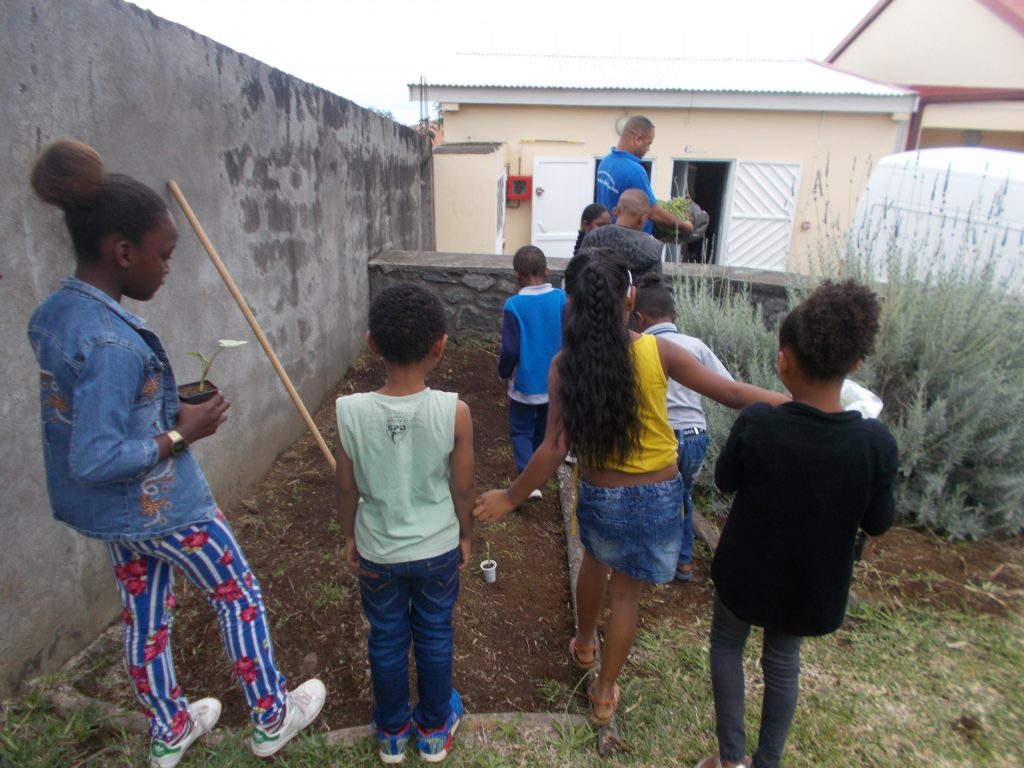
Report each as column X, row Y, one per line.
column 594, row 215
column 405, row 496
column 119, row 465
column 621, row 169
column 808, row 477
column 607, row 392
column 531, row 335
column 641, row 251
column 655, row 313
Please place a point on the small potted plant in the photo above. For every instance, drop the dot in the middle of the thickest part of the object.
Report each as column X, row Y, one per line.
column 488, row 566
column 196, row 392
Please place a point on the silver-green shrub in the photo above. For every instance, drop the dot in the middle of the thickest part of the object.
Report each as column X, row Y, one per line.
column 735, row 331
column 948, row 364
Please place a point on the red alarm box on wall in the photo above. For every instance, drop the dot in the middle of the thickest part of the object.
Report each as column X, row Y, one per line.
column 520, row 187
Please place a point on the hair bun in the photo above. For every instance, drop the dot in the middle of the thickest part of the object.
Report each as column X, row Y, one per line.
column 68, row 174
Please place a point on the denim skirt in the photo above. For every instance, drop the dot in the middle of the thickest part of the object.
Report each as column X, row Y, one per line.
column 635, row 530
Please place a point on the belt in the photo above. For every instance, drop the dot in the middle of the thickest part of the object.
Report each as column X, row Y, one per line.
column 690, row 431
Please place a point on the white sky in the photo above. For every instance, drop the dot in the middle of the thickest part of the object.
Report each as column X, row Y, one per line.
column 369, row 51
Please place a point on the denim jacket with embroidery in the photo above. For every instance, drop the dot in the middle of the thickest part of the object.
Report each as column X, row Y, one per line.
column 106, row 392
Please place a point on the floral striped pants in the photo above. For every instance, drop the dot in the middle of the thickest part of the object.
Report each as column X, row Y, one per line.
column 210, row 557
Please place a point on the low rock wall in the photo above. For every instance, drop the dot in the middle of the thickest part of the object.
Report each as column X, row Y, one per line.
column 474, row 287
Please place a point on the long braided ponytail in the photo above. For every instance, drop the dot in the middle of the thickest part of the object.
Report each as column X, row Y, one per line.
column 600, row 403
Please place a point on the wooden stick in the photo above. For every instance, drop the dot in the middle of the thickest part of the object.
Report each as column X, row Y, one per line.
column 240, row 300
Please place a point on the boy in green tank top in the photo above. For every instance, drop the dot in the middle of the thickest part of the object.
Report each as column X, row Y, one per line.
column 405, row 497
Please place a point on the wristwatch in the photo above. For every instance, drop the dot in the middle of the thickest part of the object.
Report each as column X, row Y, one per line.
column 177, row 442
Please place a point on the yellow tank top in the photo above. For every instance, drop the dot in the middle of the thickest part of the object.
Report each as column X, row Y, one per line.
column 658, row 444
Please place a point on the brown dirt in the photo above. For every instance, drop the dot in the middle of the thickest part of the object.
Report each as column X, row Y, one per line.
column 511, row 637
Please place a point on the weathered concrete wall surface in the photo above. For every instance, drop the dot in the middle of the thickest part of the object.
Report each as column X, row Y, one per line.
column 295, row 186
column 474, row 287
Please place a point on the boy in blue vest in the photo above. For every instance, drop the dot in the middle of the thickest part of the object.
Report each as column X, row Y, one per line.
column 531, row 335
column 405, row 497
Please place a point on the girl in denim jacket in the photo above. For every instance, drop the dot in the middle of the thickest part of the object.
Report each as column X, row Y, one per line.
column 118, row 463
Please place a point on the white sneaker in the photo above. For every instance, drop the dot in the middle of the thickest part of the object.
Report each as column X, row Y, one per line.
column 301, row 709
column 203, row 715
column 535, row 494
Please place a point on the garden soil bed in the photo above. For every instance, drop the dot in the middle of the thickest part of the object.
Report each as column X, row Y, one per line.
column 511, row 637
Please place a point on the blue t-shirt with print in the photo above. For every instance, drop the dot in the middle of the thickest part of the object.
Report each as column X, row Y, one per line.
column 617, row 172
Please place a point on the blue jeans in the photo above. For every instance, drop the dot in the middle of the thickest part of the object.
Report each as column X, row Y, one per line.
column 691, row 455
column 527, row 425
column 403, row 602
column 780, row 663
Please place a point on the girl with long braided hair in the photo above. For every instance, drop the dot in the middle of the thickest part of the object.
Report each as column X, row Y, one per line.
column 607, row 392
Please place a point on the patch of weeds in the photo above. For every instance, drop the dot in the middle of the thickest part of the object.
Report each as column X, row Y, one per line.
column 327, row 594
column 33, row 734
column 334, row 526
column 510, row 730
column 554, row 692
column 499, row 451
column 930, row 579
column 297, row 490
column 573, row 738
column 490, row 760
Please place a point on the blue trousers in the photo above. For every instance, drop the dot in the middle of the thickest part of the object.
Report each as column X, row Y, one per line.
column 527, row 425
column 403, row 602
column 691, row 455
column 780, row 662
column 209, row 556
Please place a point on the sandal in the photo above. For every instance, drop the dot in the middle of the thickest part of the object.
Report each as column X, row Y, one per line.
column 602, row 710
column 574, row 655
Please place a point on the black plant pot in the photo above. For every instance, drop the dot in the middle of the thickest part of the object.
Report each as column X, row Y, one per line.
column 191, row 394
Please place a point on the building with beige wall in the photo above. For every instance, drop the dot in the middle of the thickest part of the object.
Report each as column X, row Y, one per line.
column 964, row 58
column 775, row 151
column 471, row 216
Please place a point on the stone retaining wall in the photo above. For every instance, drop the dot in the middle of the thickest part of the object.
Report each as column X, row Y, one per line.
column 474, row 287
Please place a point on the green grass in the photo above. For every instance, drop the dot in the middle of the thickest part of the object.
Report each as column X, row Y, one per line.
column 329, row 594
column 896, row 686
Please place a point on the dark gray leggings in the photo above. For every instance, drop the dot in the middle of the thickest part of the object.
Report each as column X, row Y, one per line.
column 780, row 662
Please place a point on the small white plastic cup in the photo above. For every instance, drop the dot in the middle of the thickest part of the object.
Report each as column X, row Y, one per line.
column 490, row 569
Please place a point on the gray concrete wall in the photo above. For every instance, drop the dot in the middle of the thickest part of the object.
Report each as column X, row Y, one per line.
column 295, row 186
column 474, row 287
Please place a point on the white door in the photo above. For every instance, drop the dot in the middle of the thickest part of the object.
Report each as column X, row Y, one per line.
column 761, row 215
column 562, row 188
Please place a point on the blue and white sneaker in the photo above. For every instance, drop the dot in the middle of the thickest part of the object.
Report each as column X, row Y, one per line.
column 391, row 746
column 435, row 744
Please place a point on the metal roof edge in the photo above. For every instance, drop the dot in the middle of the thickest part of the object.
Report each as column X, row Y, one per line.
column 897, row 101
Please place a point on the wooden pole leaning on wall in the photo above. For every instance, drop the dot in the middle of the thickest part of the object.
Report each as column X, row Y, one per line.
column 251, row 319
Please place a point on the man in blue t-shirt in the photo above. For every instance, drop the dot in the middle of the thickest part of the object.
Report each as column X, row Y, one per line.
column 621, row 170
